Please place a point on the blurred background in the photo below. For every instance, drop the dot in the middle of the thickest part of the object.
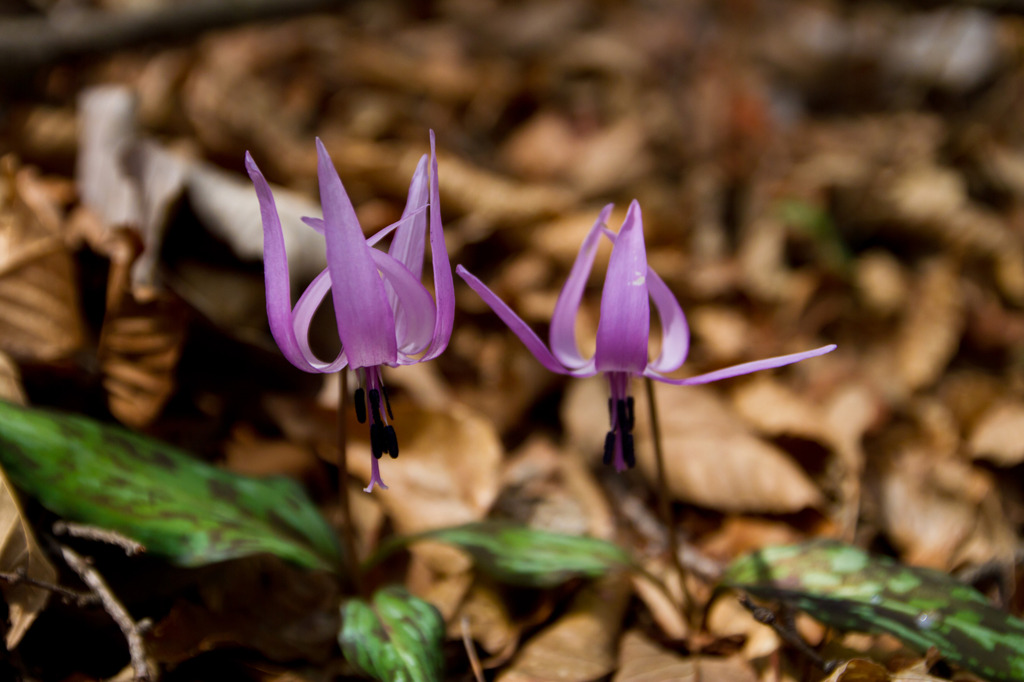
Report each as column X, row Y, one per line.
column 810, row 172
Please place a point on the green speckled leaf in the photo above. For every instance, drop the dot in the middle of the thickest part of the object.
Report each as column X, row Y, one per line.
column 849, row 590
column 178, row 507
column 523, row 556
column 398, row 638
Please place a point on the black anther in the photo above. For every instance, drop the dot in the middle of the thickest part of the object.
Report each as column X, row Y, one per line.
column 375, row 405
column 609, row 448
column 361, row 405
column 622, row 421
column 391, row 441
column 628, row 453
column 377, row 442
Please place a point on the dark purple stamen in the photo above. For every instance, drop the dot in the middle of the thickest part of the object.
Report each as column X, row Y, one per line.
column 375, row 405
column 361, row 405
column 387, row 403
column 391, row 441
column 621, row 417
column 383, row 438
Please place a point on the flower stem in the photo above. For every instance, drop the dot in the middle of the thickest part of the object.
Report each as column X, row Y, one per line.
column 665, row 508
column 348, row 533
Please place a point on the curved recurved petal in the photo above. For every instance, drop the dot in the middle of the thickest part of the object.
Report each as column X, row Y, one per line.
column 444, row 288
column 414, row 308
column 625, row 324
column 275, row 273
column 675, row 333
column 302, row 315
column 366, row 323
column 410, row 239
column 562, row 333
column 316, row 223
column 745, row 368
column 520, row 328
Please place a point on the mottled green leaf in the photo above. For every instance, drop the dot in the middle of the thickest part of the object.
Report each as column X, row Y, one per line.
column 523, row 556
column 850, row 590
column 177, row 506
column 398, row 638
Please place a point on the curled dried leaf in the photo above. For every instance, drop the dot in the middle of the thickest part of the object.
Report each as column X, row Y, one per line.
column 40, row 317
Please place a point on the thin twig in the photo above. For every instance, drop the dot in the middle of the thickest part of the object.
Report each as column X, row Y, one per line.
column 785, row 628
column 348, row 532
column 105, row 535
column 665, row 507
column 474, row 660
column 19, row 577
column 131, row 630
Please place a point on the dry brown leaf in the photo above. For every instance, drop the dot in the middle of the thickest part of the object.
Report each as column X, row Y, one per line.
column 247, row 453
column 934, row 201
column 640, row 660
column 742, row 534
column 930, row 334
column 447, row 472
column 40, row 318
column 722, row 333
column 666, row 610
column 726, row 617
column 485, row 613
column 126, row 180
column 881, row 282
column 930, row 505
column 863, row 670
column 859, row 670
column 774, row 409
column 140, row 345
column 580, row 645
column 11, row 389
column 542, row 148
column 552, row 489
column 611, row 158
column 258, row 602
column 849, row 414
column 712, row 459
column 997, row 436
column 19, row 551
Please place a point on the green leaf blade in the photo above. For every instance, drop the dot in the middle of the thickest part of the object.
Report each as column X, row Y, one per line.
column 175, row 505
column 397, row 638
column 847, row 589
column 526, row 557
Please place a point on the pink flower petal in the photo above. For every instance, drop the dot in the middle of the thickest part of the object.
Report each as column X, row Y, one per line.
column 302, row 315
column 745, row 368
column 366, row 323
column 410, row 239
column 444, row 287
column 276, row 275
column 625, row 324
column 562, row 333
column 675, row 333
column 414, row 306
column 520, row 328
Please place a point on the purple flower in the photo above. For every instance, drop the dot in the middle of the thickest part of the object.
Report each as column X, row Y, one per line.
column 623, row 330
column 385, row 315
